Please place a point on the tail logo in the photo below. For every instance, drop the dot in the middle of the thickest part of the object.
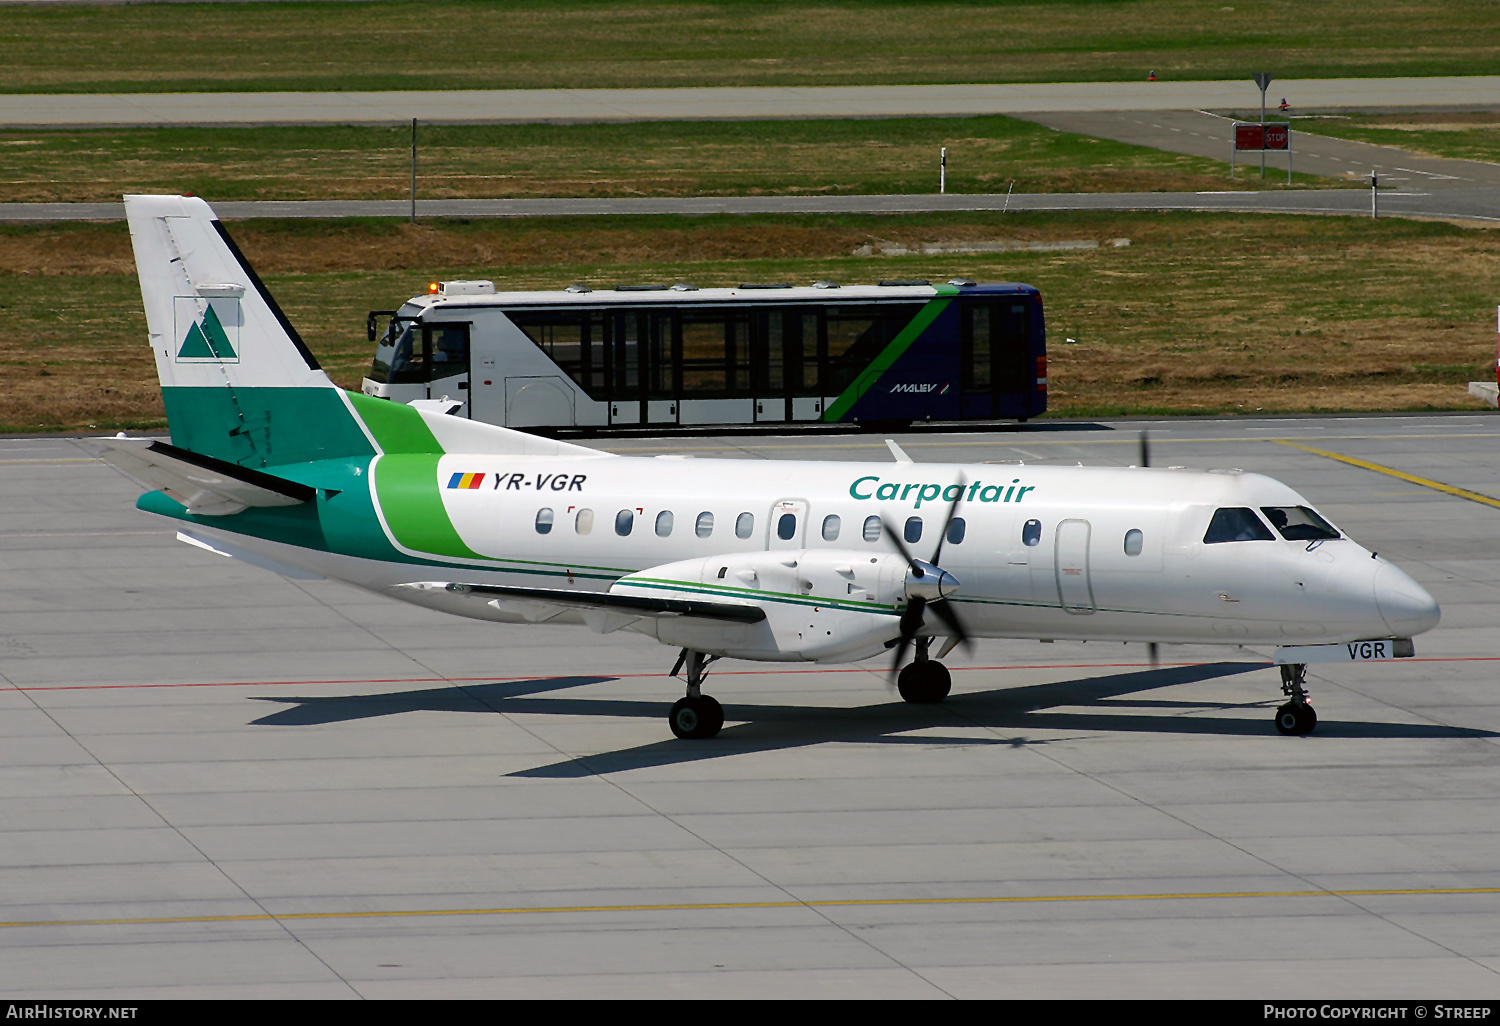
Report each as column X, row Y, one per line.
column 206, row 340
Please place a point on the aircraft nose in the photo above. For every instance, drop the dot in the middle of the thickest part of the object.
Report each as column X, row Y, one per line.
column 1404, row 604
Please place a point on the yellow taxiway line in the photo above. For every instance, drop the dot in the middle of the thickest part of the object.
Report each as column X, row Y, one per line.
column 743, row 905
column 1462, row 493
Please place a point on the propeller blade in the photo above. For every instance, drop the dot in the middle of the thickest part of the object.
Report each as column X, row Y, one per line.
column 1151, row 650
column 895, row 539
column 937, row 555
column 1145, row 450
column 949, row 616
column 911, row 622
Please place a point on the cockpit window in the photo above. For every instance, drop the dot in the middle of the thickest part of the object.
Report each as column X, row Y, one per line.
column 1236, row 523
column 1298, row 523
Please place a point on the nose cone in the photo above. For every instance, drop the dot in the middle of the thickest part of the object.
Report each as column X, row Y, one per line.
column 1404, row 604
column 930, row 582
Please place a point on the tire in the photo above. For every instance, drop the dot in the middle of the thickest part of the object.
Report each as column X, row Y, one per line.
column 696, row 718
column 925, row 683
column 1295, row 720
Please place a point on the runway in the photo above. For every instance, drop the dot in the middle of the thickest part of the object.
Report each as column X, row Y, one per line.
column 217, row 782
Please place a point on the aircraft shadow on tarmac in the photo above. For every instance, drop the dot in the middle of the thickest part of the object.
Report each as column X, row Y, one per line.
column 1093, row 704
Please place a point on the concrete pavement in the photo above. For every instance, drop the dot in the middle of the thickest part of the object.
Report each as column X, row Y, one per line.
column 119, row 109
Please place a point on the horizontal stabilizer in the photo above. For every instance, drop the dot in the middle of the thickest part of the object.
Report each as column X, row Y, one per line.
column 603, row 601
column 206, row 486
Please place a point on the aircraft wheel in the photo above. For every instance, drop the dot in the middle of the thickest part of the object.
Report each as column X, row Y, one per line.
column 1296, row 718
column 924, row 682
column 696, row 718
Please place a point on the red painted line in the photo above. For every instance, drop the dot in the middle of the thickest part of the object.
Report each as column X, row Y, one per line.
column 632, row 676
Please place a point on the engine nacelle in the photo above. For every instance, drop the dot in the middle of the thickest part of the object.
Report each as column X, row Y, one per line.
column 821, row 605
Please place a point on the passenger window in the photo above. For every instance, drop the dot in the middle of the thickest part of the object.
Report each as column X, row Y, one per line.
column 1031, row 534
column 543, row 521
column 584, row 522
column 913, row 530
column 1236, row 523
column 624, row 522
column 786, row 527
column 1298, row 523
column 873, row 527
column 831, row 527
column 956, row 531
column 1133, row 540
column 664, row 523
column 705, row 525
column 744, row 525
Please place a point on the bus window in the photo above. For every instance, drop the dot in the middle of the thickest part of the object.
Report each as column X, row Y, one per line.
column 705, row 525
column 624, row 522
column 855, row 335
column 448, row 349
column 408, row 358
column 996, row 342
column 744, row 525
column 873, row 528
column 831, row 527
column 664, row 523
column 584, row 522
column 544, row 521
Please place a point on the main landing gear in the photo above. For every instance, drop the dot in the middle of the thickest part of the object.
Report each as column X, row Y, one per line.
column 924, row 681
column 1296, row 717
column 696, row 715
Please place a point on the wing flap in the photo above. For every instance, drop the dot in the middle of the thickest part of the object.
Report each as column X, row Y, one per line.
column 206, row 486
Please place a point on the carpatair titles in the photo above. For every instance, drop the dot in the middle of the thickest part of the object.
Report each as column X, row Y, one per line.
column 916, row 494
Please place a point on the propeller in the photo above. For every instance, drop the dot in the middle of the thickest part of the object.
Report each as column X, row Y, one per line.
column 928, row 586
column 1146, row 462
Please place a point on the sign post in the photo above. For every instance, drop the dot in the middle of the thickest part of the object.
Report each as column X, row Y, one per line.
column 1264, row 136
column 1263, row 79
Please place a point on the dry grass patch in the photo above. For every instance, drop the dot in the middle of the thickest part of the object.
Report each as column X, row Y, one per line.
column 1200, row 313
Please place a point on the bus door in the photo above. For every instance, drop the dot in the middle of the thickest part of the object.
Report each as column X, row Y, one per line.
column 769, row 355
column 643, row 372
column 445, row 346
column 996, row 363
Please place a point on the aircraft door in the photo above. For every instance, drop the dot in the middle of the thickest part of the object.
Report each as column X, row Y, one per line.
column 1074, row 592
column 787, row 524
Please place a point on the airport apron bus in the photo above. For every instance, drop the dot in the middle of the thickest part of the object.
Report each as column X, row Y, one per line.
column 643, row 355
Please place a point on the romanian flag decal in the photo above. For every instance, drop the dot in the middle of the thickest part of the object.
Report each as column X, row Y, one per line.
column 465, row 480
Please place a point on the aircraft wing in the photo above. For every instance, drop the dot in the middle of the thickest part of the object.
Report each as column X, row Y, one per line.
column 206, row 486
column 628, row 605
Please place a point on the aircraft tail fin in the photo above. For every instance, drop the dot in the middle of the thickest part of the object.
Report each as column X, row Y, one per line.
column 238, row 382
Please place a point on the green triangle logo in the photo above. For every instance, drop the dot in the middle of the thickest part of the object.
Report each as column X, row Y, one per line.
column 208, row 341
column 195, row 346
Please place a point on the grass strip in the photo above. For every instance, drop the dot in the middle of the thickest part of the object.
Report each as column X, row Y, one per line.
column 672, row 158
column 514, row 44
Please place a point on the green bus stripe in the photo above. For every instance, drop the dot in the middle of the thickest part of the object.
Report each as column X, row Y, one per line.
column 889, row 355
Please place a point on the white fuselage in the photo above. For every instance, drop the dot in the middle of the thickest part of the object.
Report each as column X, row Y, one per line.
column 1071, row 575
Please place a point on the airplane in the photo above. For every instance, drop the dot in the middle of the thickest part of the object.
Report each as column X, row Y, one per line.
column 792, row 561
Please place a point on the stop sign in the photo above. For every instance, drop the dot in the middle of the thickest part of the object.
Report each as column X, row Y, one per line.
column 1278, row 137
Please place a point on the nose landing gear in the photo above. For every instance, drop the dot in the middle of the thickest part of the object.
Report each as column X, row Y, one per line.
column 924, row 681
column 695, row 716
column 1296, row 717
